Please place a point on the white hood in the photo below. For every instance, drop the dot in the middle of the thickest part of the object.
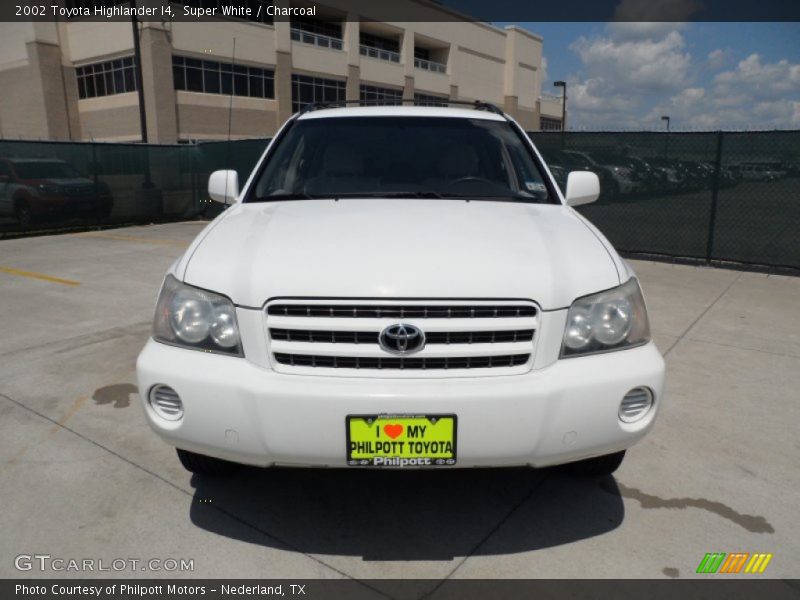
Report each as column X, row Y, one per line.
column 378, row 248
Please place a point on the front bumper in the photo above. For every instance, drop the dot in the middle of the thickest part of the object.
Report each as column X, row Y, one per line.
column 246, row 413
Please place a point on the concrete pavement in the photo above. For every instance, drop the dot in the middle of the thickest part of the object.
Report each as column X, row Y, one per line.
column 83, row 476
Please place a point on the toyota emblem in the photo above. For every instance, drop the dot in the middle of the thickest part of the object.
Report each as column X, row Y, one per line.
column 402, row 338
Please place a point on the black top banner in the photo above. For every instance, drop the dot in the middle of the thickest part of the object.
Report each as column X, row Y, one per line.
column 266, row 11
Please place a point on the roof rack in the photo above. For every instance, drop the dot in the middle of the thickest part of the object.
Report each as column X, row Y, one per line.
column 477, row 104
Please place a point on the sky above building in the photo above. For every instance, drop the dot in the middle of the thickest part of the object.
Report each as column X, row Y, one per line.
column 705, row 76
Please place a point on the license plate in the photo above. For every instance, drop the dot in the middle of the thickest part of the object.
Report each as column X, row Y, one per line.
column 401, row 440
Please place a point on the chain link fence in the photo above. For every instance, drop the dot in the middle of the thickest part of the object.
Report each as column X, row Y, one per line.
column 711, row 197
column 714, row 197
column 51, row 186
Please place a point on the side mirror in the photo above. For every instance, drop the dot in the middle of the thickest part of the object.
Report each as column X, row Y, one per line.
column 223, row 186
column 583, row 187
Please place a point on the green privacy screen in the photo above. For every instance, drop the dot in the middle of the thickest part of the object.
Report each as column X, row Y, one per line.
column 711, row 196
column 730, row 196
column 47, row 186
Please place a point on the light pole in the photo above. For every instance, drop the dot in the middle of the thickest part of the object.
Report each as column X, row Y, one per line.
column 666, row 140
column 137, row 61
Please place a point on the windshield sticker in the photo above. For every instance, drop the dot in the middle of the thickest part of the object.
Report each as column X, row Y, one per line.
column 535, row 186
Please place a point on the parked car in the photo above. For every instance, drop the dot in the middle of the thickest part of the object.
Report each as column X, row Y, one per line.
column 398, row 287
column 674, row 176
column 759, row 172
column 650, row 179
column 569, row 160
column 34, row 188
column 622, row 170
column 727, row 177
column 560, row 175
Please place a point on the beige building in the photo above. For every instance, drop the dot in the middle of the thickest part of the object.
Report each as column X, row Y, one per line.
column 76, row 80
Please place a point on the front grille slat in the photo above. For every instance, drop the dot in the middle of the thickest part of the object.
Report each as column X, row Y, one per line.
column 370, row 362
column 371, row 337
column 358, row 311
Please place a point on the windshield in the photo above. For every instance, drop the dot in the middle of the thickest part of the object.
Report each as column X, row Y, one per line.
column 401, row 157
column 45, row 170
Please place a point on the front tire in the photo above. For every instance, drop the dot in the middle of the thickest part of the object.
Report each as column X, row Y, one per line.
column 23, row 213
column 204, row 465
column 600, row 466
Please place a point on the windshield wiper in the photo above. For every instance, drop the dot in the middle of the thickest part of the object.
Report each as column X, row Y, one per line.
column 500, row 198
column 417, row 194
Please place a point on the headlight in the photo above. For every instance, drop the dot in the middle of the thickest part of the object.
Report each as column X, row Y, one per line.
column 193, row 318
column 609, row 320
column 624, row 172
column 47, row 188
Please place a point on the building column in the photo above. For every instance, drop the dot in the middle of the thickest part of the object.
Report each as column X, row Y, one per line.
column 510, row 105
column 283, row 85
column 283, row 66
column 408, row 88
column 407, row 53
column 159, row 90
column 71, row 101
column 352, row 44
column 45, row 60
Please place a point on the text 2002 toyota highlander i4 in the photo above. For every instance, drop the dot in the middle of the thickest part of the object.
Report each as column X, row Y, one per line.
column 401, row 287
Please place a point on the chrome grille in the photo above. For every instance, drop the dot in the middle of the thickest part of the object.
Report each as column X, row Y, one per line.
column 371, row 337
column 409, row 311
column 468, row 338
column 83, row 190
column 361, row 362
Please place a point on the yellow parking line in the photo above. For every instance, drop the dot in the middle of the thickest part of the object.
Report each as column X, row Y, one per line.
column 133, row 238
column 42, row 276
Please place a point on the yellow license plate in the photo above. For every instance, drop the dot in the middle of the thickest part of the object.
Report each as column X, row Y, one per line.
column 401, row 440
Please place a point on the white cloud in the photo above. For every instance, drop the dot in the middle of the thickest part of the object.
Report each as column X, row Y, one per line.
column 767, row 81
column 622, row 70
column 717, row 58
column 545, row 76
column 646, row 65
column 636, row 72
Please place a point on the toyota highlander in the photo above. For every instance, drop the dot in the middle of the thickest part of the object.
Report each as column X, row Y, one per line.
column 401, row 286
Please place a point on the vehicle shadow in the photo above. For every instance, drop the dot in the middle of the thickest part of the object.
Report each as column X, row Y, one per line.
column 406, row 515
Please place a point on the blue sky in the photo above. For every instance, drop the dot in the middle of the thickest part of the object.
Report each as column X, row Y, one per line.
column 704, row 75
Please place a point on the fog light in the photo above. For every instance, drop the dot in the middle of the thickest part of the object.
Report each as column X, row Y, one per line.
column 635, row 405
column 166, row 402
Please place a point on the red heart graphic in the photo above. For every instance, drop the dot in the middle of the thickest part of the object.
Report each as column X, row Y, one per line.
column 393, row 430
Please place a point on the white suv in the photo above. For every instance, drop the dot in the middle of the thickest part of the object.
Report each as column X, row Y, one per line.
column 401, row 287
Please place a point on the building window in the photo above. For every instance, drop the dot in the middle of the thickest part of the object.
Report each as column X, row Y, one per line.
column 326, row 28
column 374, row 95
column 428, row 65
column 548, row 124
column 422, row 53
column 307, row 89
column 212, row 77
column 106, row 78
column 317, row 33
column 379, row 47
column 255, row 15
column 430, row 100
